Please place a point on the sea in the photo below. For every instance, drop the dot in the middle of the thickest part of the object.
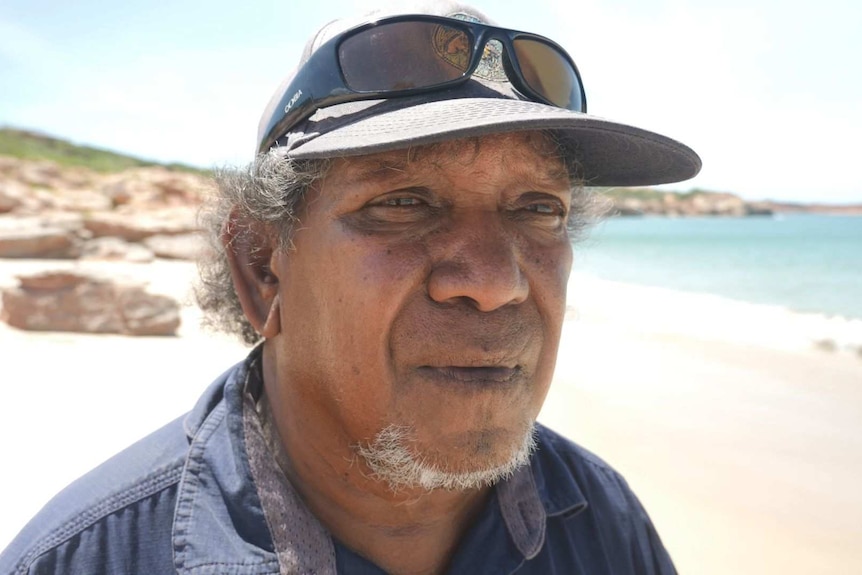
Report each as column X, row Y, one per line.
column 803, row 262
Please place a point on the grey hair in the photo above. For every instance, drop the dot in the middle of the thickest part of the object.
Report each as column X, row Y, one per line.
column 588, row 207
column 391, row 460
column 270, row 191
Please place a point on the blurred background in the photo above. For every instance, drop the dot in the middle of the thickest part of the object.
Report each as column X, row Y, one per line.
column 713, row 352
column 765, row 91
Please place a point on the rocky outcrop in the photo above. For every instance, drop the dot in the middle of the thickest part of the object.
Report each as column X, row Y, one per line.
column 152, row 188
column 830, row 209
column 693, row 204
column 13, row 195
column 53, row 212
column 135, row 227
column 177, row 247
column 85, row 302
column 61, row 212
column 116, row 249
column 651, row 202
column 43, row 242
column 32, row 237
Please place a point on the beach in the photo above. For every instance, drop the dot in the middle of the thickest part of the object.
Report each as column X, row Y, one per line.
column 738, row 425
column 742, row 439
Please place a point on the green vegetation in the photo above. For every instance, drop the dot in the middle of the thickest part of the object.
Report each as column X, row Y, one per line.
column 33, row 146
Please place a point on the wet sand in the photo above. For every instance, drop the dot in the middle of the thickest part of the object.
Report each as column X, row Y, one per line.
column 742, row 440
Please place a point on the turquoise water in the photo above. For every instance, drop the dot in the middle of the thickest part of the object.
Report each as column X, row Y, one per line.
column 808, row 263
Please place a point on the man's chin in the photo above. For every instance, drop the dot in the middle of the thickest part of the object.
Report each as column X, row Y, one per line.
column 392, row 459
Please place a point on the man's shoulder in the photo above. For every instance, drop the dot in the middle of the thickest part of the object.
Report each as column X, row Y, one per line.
column 557, row 453
column 127, row 500
column 565, row 469
column 590, row 502
column 136, row 481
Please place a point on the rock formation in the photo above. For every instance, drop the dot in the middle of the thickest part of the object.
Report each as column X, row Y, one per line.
column 84, row 302
column 652, row 202
column 649, row 202
column 137, row 215
column 131, row 206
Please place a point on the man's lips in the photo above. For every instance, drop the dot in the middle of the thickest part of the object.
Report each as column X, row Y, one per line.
column 475, row 375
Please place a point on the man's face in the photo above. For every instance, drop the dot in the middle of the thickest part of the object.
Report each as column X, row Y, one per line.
column 426, row 291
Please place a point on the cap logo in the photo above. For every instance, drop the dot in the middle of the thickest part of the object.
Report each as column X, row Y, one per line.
column 292, row 101
column 452, row 45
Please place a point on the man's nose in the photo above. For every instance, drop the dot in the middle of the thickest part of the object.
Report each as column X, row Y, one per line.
column 477, row 260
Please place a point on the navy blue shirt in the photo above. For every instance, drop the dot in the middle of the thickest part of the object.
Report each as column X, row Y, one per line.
column 185, row 500
column 587, row 521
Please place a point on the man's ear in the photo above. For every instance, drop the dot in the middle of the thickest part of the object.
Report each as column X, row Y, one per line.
column 250, row 247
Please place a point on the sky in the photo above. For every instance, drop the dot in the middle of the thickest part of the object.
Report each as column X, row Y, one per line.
column 768, row 92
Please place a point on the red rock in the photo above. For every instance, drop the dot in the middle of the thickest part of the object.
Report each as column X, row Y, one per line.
column 12, row 195
column 77, row 301
column 135, row 227
column 51, row 280
column 178, row 247
column 83, row 200
column 155, row 187
column 38, row 243
column 115, row 249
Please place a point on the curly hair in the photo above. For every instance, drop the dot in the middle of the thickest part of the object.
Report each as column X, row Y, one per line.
column 268, row 191
column 271, row 191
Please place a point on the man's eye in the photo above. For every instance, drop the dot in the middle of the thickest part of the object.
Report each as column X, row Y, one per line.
column 402, row 201
column 545, row 209
column 398, row 209
column 549, row 208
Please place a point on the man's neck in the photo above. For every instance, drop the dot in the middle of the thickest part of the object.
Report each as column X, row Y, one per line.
column 409, row 531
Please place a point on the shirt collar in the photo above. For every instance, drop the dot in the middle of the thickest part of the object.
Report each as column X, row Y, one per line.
column 556, row 484
column 215, row 393
column 526, row 502
column 219, row 524
column 544, row 488
column 301, row 543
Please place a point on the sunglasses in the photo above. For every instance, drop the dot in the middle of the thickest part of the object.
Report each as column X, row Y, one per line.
column 413, row 54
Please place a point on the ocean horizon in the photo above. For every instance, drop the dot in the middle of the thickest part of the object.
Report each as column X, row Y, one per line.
column 803, row 262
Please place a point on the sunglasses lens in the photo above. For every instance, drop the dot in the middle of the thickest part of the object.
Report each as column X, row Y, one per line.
column 404, row 55
column 549, row 73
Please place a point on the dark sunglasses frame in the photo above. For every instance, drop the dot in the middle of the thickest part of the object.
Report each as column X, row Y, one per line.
column 320, row 82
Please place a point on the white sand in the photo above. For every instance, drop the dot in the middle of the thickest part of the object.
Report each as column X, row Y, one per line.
column 743, row 441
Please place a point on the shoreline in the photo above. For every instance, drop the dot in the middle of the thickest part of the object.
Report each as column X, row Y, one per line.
column 647, row 309
column 653, row 310
column 806, row 263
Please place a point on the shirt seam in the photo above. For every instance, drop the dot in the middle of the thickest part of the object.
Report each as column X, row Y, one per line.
column 270, row 566
column 93, row 515
column 184, row 513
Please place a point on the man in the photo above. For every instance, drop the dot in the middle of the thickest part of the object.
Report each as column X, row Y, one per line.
column 400, row 248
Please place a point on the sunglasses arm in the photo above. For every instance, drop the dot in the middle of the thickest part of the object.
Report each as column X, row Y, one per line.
column 315, row 86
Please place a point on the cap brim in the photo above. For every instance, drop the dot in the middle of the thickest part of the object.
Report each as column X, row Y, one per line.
column 610, row 153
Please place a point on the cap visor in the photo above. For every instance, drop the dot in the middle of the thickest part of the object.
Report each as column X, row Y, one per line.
column 610, row 153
